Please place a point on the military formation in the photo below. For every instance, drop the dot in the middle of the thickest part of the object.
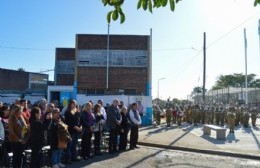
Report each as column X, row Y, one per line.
column 231, row 115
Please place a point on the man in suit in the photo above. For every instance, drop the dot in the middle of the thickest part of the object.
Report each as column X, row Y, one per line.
column 113, row 121
column 135, row 123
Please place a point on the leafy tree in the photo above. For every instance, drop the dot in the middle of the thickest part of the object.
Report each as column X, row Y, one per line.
column 21, row 69
column 236, row 80
column 196, row 90
column 144, row 4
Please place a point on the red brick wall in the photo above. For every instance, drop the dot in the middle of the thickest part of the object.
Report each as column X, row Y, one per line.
column 13, row 80
column 65, row 53
column 126, row 78
column 124, row 42
column 65, row 79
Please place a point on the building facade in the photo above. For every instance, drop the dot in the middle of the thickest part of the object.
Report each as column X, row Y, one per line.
column 13, row 81
column 85, row 66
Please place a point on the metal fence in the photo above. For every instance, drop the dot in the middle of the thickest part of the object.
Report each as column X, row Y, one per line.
column 226, row 95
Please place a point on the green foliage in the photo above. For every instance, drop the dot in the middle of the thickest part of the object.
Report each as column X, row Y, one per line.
column 196, row 90
column 145, row 4
column 21, row 69
column 236, row 80
column 117, row 12
column 257, row 2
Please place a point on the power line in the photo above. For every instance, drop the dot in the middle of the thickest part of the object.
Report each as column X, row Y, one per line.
column 22, row 48
column 174, row 49
column 223, row 36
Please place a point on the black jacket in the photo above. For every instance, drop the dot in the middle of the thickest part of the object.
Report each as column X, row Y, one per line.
column 72, row 121
column 36, row 136
column 125, row 124
column 112, row 115
column 54, row 136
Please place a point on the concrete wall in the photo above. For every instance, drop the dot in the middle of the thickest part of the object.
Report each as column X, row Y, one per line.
column 146, row 102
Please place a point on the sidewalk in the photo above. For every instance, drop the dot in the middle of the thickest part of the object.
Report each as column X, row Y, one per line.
column 244, row 143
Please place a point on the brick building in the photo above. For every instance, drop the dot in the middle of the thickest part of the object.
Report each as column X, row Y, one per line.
column 13, row 81
column 129, row 70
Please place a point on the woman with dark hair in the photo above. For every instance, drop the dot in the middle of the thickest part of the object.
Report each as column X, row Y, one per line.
column 37, row 137
column 72, row 119
column 17, row 135
column 87, row 119
column 97, row 128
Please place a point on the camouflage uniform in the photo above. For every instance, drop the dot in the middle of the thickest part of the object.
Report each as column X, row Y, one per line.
column 208, row 115
column 222, row 116
column 195, row 112
column 188, row 114
column 157, row 116
column 231, row 118
column 217, row 115
column 203, row 115
column 246, row 117
column 168, row 114
column 238, row 117
column 253, row 116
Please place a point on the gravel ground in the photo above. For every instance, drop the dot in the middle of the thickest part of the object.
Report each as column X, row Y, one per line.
column 147, row 157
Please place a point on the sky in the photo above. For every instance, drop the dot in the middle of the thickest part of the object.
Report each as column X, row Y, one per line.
column 31, row 30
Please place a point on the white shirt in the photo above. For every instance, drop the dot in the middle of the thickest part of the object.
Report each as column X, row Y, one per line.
column 103, row 112
column 132, row 117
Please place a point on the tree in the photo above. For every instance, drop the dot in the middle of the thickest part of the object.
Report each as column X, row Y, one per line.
column 145, row 4
column 21, row 69
column 196, row 90
column 236, row 80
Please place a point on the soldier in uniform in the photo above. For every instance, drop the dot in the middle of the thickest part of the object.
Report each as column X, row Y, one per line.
column 180, row 114
column 188, row 114
column 231, row 111
column 156, row 112
column 222, row 115
column 195, row 112
column 246, row 117
column 217, row 114
column 253, row 115
column 238, row 116
column 242, row 117
column 168, row 113
column 203, row 114
column 174, row 114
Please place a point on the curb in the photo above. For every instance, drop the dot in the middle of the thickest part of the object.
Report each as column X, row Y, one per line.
column 203, row 151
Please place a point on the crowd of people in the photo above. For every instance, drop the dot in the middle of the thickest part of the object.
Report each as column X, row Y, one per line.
column 24, row 126
column 217, row 114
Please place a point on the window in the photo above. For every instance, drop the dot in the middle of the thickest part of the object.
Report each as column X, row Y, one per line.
column 122, row 58
column 65, row 67
column 91, row 91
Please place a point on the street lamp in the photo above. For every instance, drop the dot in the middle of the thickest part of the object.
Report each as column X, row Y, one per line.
column 159, row 87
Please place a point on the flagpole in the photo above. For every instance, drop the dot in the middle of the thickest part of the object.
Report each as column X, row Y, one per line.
column 245, row 64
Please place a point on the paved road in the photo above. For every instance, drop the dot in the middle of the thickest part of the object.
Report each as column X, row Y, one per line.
column 148, row 157
column 245, row 140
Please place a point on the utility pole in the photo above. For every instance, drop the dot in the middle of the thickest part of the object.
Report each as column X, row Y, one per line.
column 245, row 63
column 204, row 67
column 259, row 42
column 108, row 26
